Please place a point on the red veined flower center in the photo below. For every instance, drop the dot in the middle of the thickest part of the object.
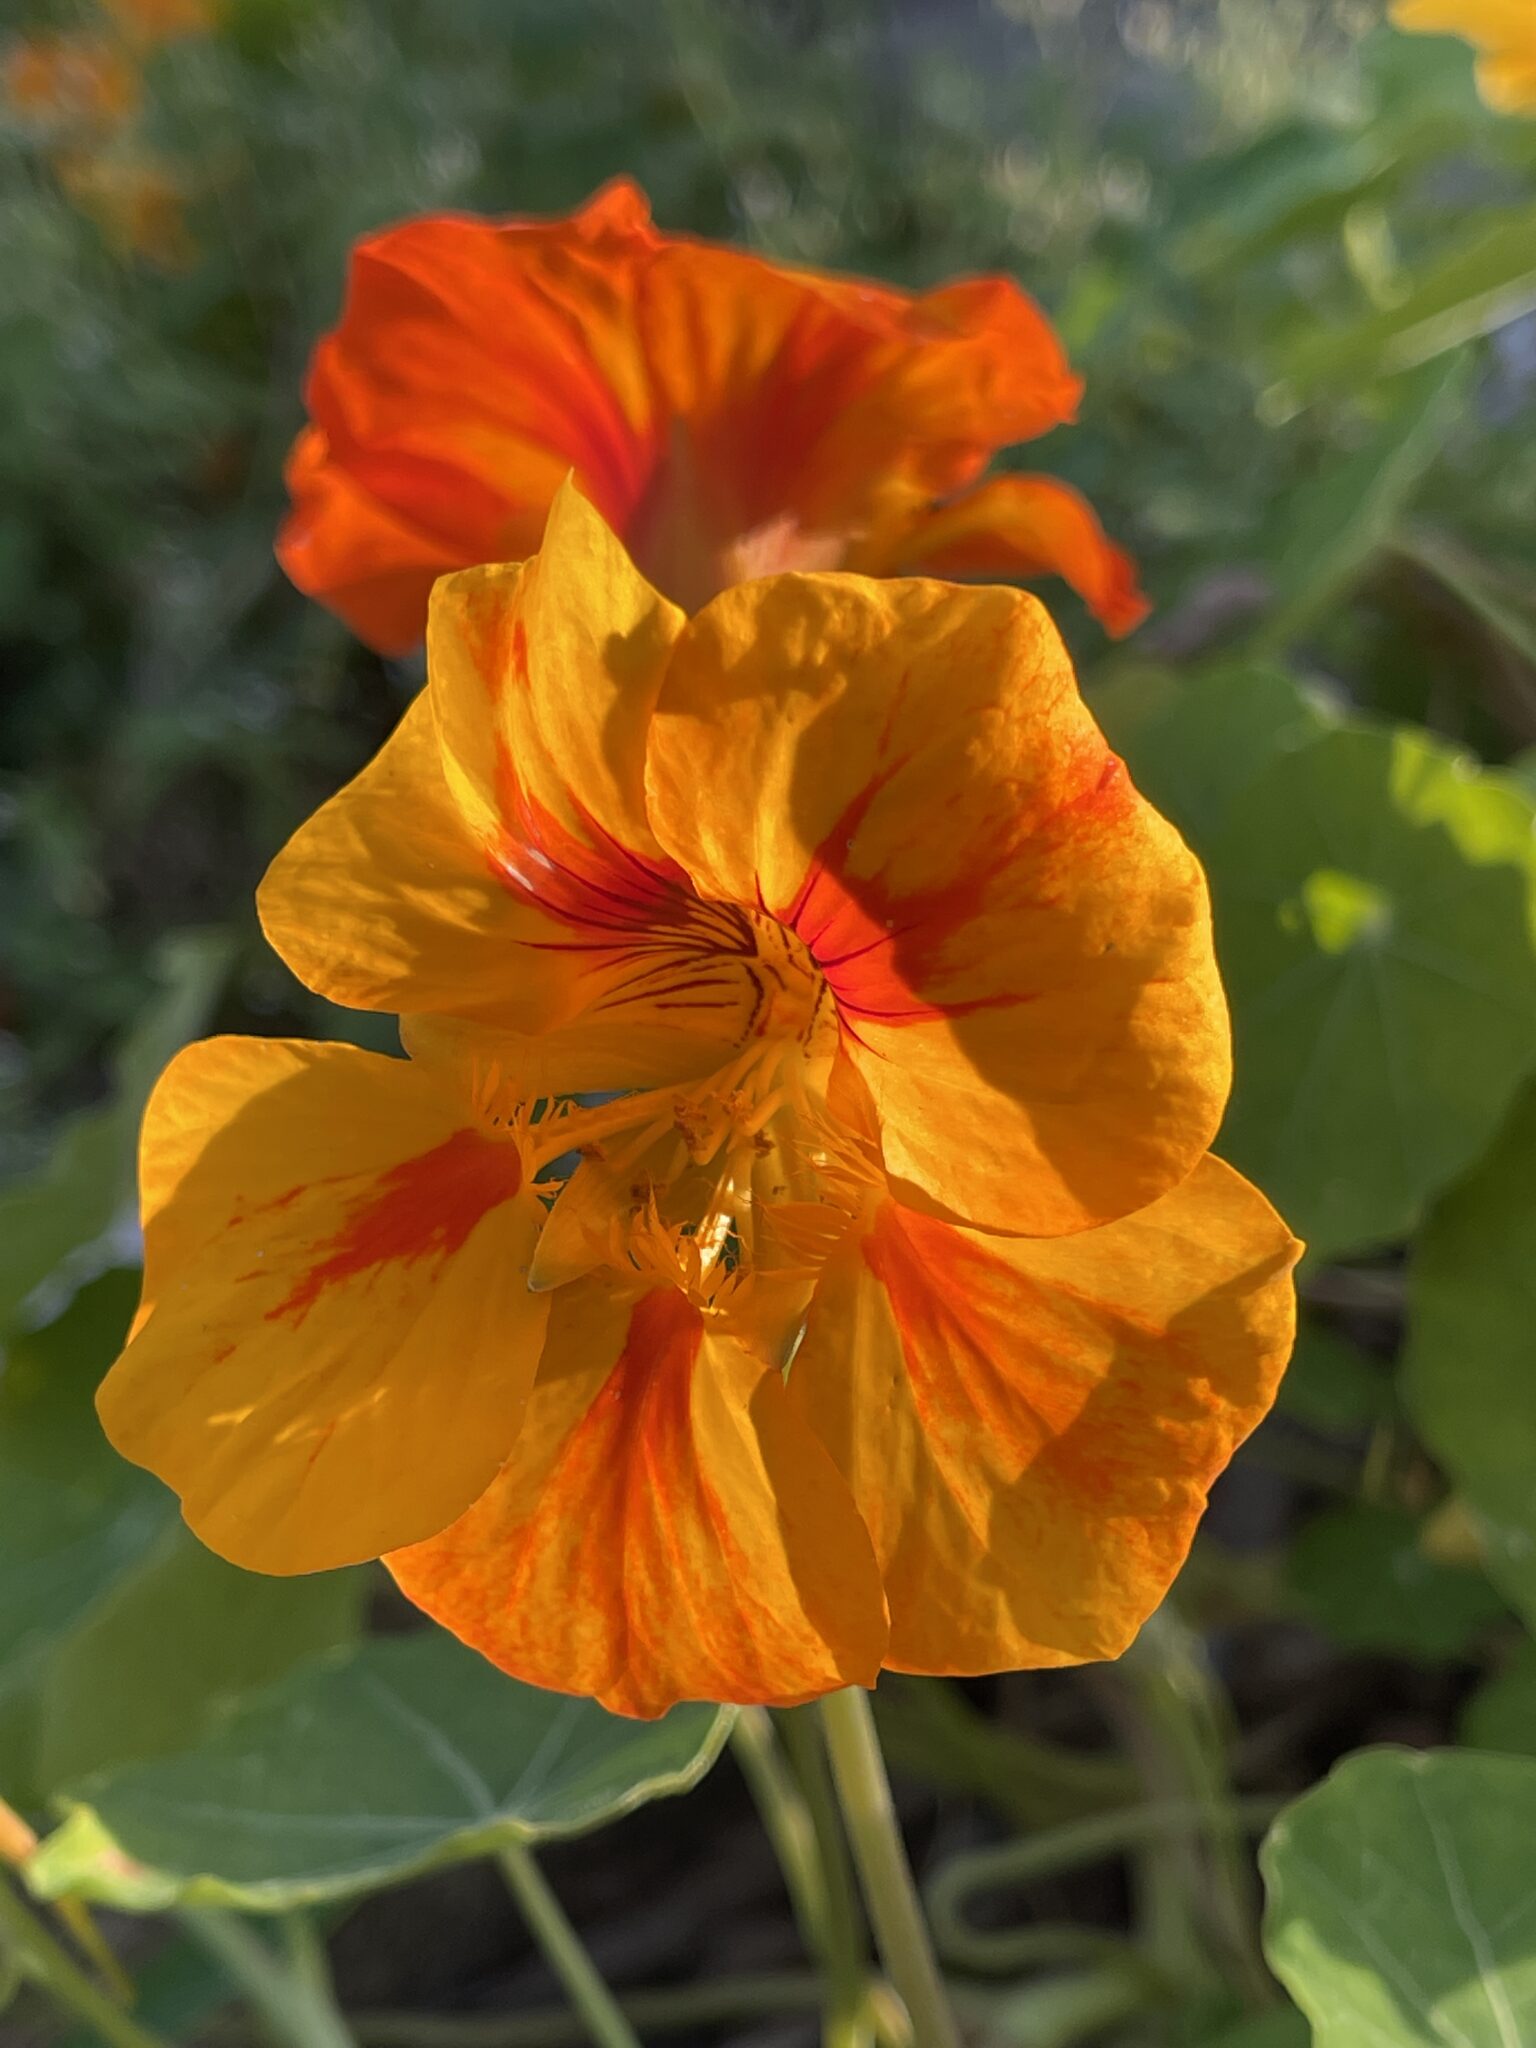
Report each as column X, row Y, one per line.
column 693, row 1178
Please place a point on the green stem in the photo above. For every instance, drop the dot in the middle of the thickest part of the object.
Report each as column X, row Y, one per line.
column 1057, row 1849
column 928, row 1724
column 815, row 1873
column 786, row 1820
column 1189, row 1717
column 722, row 2001
column 38, row 1955
column 291, row 1994
column 865, row 1793
column 1065, row 2010
column 605, row 2024
column 855, row 2009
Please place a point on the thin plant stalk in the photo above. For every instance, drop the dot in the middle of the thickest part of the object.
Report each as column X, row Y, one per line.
column 289, row 1989
column 817, row 1887
column 1069, row 1847
column 858, row 2002
column 562, row 1949
column 39, row 1956
column 901, row 1933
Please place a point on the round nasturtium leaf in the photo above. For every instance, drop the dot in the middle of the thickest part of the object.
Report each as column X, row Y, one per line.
column 1364, row 1576
column 1331, row 1385
column 358, row 1769
column 1194, row 742
column 1468, row 1375
column 1502, row 1713
column 1374, row 917
column 1400, row 1909
column 120, row 1635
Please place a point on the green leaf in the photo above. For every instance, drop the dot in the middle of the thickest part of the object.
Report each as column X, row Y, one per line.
column 1327, row 532
column 1365, row 1580
column 1283, row 2028
column 1490, row 599
column 1502, row 1714
column 1487, row 280
column 1467, row 1377
column 361, row 1768
column 88, row 1181
column 1296, row 177
column 1331, row 1385
column 119, row 1634
column 1374, row 925
column 1194, row 743
column 105, row 1698
column 1402, row 1912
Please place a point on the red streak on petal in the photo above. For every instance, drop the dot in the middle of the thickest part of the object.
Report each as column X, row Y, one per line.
column 944, row 1295
column 592, row 882
column 649, row 1381
column 878, row 951
column 425, row 1207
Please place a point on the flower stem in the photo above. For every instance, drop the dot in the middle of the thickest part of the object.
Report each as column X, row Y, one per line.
column 561, row 1945
column 292, row 1993
column 852, row 2019
column 45, row 1960
column 685, row 2008
column 1011, row 1864
column 786, row 1819
column 1186, row 1741
column 865, row 1793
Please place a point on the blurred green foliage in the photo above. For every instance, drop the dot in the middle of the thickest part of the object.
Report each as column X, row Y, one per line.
column 1295, row 258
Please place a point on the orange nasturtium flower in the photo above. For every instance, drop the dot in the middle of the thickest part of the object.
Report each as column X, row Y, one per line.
column 895, row 1314
column 82, row 80
column 727, row 416
column 137, row 203
column 1504, row 31
column 147, row 22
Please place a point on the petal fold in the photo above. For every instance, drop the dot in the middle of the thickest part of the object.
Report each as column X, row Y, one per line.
column 339, row 1337
column 543, row 678
column 1029, row 1427
column 666, row 1528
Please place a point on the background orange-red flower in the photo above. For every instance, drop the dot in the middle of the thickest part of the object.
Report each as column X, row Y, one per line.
column 727, row 415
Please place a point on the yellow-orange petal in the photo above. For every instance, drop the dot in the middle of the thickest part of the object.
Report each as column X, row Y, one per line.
column 665, row 1529
column 1503, row 31
column 1030, row 1427
column 1014, row 526
column 543, row 676
column 1019, row 947
column 386, row 900
column 340, row 1337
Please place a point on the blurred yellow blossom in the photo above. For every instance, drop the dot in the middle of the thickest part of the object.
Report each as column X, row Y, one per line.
column 1502, row 31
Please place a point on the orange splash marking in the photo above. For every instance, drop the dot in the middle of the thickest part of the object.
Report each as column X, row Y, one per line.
column 425, row 1207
